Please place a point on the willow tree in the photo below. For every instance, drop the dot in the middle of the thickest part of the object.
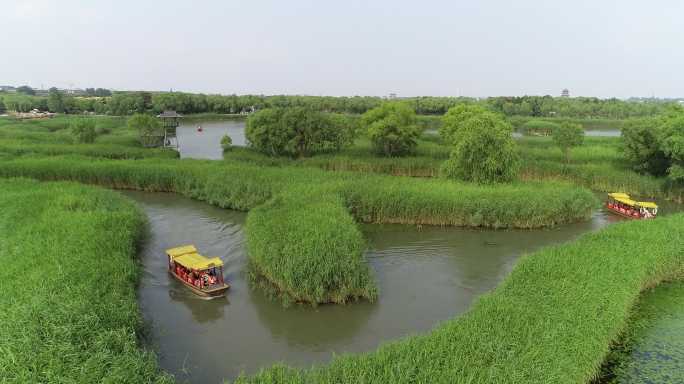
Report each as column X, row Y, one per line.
column 484, row 151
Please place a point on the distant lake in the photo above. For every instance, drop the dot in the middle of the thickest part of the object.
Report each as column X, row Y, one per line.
column 207, row 143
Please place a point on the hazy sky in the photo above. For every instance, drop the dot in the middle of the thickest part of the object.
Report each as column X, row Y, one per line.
column 470, row 48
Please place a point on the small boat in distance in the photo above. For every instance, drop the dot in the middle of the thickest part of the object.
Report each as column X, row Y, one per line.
column 203, row 275
column 623, row 205
column 199, row 128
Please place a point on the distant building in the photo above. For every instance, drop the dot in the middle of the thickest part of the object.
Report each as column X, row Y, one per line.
column 392, row 95
column 565, row 93
column 7, row 88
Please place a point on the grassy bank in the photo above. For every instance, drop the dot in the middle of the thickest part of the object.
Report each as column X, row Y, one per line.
column 68, row 276
column 551, row 321
column 107, row 151
column 52, row 137
column 370, row 197
column 652, row 348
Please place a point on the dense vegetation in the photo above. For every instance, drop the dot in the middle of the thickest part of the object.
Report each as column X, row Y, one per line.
column 297, row 132
column 484, row 150
column 127, row 103
column 656, row 145
column 551, row 321
column 69, row 310
column 392, row 129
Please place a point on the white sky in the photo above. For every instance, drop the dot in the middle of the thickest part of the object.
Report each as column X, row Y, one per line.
column 601, row 48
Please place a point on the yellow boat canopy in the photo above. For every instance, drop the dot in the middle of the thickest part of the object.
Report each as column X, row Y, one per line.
column 625, row 199
column 618, row 195
column 197, row 261
column 182, row 250
column 188, row 257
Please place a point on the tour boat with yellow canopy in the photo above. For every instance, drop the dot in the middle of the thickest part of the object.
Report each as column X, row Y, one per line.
column 623, row 205
column 203, row 275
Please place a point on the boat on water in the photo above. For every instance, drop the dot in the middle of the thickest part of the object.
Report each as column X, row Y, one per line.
column 622, row 204
column 202, row 275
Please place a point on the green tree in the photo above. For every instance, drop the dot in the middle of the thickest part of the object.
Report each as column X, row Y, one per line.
column 25, row 89
column 83, row 130
column 297, row 131
column 566, row 136
column 149, row 128
column 392, row 129
column 673, row 146
column 456, row 118
column 485, row 151
column 641, row 143
column 55, row 101
column 3, row 109
column 226, row 143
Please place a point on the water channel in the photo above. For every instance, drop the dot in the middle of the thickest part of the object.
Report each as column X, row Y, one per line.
column 424, row 277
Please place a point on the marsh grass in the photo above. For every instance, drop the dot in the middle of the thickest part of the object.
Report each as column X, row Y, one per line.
column 69, row 310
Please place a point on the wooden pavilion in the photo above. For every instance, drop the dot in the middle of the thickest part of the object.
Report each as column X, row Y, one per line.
column 170, row 122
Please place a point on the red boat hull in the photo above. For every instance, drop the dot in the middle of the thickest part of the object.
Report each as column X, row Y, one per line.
column 628, row 213
column 209, row 293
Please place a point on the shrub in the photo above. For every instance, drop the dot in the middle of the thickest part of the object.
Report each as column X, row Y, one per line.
column 83, row 130
column 566, row 136
column 297, row 132
column 484, row 151
column 392, row 129
column 226, row 143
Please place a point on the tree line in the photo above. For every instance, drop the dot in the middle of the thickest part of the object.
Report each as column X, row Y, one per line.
column 128, row 103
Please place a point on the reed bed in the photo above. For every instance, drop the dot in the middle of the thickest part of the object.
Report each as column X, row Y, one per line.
column 600, row 177
column 69, row 310
column 307, row 246
column 372, row 198
column 553, row 319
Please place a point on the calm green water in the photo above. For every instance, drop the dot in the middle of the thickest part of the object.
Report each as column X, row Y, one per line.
column 424, row 277
column 656, row 353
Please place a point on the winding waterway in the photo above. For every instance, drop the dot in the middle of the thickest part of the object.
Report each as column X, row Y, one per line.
column 424, row 277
